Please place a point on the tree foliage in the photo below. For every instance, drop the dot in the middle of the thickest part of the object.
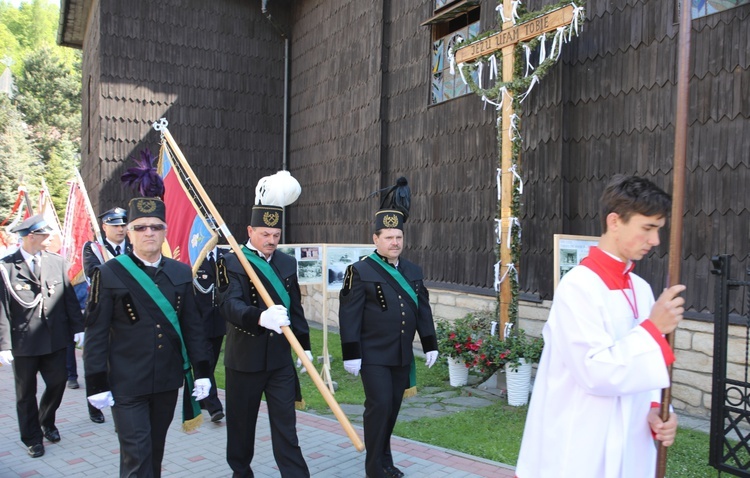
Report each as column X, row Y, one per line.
column 41, row 123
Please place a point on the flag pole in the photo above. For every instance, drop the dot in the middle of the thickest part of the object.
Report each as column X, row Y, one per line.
column 678, row 196
column 218, row 223
column 92, row 216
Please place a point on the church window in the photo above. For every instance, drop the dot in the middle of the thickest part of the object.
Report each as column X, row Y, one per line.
column 702, row 8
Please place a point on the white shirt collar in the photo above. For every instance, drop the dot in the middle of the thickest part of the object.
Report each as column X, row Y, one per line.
column 115, row 244
column 252, row 248
column 147, row 263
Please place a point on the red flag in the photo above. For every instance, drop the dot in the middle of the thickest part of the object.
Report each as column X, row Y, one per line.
column 188, row 236
column 76, row 232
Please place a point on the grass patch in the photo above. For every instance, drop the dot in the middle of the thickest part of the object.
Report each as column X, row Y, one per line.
column 492, row 432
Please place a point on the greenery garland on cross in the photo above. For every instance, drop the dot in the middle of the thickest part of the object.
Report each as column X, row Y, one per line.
column 520, row 34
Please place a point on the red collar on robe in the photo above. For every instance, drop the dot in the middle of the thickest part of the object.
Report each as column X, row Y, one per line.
column 613, row 272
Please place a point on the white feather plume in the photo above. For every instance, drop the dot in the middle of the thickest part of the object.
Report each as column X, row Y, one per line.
column 279, row 189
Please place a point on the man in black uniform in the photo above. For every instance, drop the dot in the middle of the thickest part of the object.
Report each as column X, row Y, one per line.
column 39, row 316
column 114, row 223
column 383, row 302
column 257, row 356
column 145, row 333
column 207, row 300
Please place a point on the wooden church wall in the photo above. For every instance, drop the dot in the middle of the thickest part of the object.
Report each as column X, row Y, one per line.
column 609, row 108
column 213, row 69
column 360, row 119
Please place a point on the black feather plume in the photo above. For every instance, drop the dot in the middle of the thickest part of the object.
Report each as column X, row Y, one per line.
column 396, row 197
column 144, row 178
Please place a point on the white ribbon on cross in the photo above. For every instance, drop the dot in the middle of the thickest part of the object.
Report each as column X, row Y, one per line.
column 534, row 82
column 493, row 329
column 487, row 100
column 513, row 127
column 513, row 221
column 461, row 71
column 578, row 13
column 499, row 230
column 499, row 9
column 493, row 67
column 480, row 69
column 529, row 66
column 513, row 170
column 557, row 42
column 511, row 267
column 498, row 178
column 514, row 5
column 496, row 285
column 501, row 96
column 508, row 328
column 542, row 48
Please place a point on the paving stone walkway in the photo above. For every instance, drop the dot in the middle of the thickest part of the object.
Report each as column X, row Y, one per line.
column 91, row 450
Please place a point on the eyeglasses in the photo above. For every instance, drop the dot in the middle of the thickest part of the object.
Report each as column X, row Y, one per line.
column 143, row 227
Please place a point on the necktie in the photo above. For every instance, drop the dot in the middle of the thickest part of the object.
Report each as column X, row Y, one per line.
column 211, row 256
column 35, row 265
column 117, row 250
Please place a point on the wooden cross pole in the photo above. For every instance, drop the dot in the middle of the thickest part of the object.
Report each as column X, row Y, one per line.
column 506, row 41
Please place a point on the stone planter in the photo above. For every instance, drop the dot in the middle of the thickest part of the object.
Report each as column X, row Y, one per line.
column 457, row 373
column 519, row 383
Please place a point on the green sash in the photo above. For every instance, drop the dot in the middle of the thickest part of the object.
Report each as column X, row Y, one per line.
column 191, row 410
column 265, row 268
column 398, row 277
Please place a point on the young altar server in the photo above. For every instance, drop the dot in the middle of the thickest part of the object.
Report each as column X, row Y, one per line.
column 594, row 409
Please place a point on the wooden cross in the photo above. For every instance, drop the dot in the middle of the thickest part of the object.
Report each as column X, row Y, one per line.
column 506, row 40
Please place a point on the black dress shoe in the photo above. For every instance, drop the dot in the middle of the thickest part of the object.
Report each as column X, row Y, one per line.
column 51, row 434
column 97, row 418
column 36, row 450
column 392, row 472
column 217, row 416
column 73, row 384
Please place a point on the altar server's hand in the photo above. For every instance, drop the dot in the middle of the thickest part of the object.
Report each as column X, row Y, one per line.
column 430, row 358
column 353, row 366
column 6, row 357
column 299, row 361
column 663, row 431
column 78, row 339
column 668, row 309
column 102, row 400
column 274, row 318
column 201, row 388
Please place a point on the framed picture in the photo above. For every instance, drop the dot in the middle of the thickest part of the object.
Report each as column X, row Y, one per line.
column 569, row 251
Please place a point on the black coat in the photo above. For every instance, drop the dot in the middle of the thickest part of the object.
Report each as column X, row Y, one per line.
column 91, row 260
column 131, row 352
column 207, row 300
column 378, row 321
column 51, row 324
column 250, row 347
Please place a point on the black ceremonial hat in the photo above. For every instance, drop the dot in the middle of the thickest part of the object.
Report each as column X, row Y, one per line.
column 266, row 216
column 146, row 207
column 389, row 219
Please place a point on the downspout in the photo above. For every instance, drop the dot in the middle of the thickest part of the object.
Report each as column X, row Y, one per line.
column 287, row 64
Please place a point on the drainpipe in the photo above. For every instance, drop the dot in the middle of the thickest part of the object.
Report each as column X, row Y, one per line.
column 287, row 63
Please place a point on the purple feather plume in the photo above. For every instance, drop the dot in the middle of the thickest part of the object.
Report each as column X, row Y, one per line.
column 144, row 178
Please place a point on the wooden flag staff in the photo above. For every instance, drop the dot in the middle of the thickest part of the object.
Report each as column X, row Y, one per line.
column 678, row 196
column 216, row 221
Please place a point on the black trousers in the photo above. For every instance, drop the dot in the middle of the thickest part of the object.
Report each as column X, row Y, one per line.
column 142, row 423
column 71, row 365
column 212, row 402
column 31, row 417
column 384, row 389
column 243, row 394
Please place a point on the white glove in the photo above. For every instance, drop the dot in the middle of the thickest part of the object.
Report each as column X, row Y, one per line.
column 6, row 357
column 430, row 358
column 353, row 366
column 201, row 388
column 299, row 361
column 78, row 339
column 274, row 318
column 102, row 400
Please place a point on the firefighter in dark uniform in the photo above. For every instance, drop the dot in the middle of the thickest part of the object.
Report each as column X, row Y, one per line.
column 206, row 297
column 257, row 356
column 114, row 222
column 383, row 302
column 39, row 316
column 145, row 333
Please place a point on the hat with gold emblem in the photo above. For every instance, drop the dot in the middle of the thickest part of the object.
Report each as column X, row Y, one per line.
column 272, row 194
column 146, row 207
column 394, row 205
